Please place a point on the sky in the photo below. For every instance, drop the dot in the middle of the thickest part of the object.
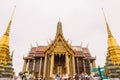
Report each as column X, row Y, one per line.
column 82, row 21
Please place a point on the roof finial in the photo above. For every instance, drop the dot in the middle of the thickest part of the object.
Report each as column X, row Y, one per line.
column 12, row 54
column 87, row 46
column 68, row 40
column 37, row 44
column 71, row 42
column 59, row 19
column 13, row 12
column 50, row 40
column 47, row 42
column 59, row 27
column 81, row 44
column 9, row 24
column 36, row 49
column 108, row 29
column 31, row 46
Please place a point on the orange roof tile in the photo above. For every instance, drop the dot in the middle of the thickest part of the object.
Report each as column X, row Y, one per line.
column 42, row 55
column 42, row 48
column 77, row 48
column 78, row 51
column 33, row 50
column 85, row 50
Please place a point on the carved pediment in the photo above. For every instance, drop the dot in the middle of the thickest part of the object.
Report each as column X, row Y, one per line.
column 59, row 48
column 59, row 44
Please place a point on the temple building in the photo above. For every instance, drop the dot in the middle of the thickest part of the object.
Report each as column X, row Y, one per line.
column 6, row 66
column 59, row 57
column 113, row 55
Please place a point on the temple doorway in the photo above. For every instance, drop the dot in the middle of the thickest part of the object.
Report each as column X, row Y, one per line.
column 59, row 64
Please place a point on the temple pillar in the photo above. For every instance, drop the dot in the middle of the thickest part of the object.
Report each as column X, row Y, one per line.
column 67, row 64
column 48, row 67
column 84, row 66
column 77, row 66
column 45, row 66
column 34, row 63
column 24, row 66
column 90, row 65
column 52, row 65
column 28, row 63
column 73, row 61
column 93, row 64
column 40, row 67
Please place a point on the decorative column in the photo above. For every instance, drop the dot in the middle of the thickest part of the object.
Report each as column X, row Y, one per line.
column 48, row 67
column 84, row 66
column 77, row 65
column 93, row 64
column 52, row 65
column 45, row 66
column 40, row 66
column 67, row 64
column 73, row 61
column 90, row 65
column 28, row 64
column 34, row 63
column 24, row 66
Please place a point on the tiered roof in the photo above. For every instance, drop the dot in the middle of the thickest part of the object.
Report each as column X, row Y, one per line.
column 59, row 43
column 79, row 51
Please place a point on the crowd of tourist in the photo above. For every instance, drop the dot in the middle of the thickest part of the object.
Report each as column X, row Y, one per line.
column 78, row 77
column 67, row 77
column 86, row 77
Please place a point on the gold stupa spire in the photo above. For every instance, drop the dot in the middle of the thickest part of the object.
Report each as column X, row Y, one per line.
column 113, row 47
column 111, row 39
column 4, row 43
column 5, row 38
column 59, row 27
column 9, row 24
column 108, row 29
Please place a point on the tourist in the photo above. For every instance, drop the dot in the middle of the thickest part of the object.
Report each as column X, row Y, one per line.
column 57, row 77
column 76, row 77
column 91, row 77
column 82, row 76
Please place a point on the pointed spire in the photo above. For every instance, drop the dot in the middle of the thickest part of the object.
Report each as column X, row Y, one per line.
column 81, row 44
column 113, row 47
column 30, row 48
column 108, row 29
column 12, row 54
column 71, row 42
column 87, row 45
column 111, row 39
column 88, row 49
column 47, row 42
column 9, row 24
column 68, row 40
column 37, row 46
column 59, row 27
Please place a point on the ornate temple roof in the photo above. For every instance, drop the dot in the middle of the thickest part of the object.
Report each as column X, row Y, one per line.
column 59, row 43
column 79, row 51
